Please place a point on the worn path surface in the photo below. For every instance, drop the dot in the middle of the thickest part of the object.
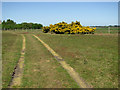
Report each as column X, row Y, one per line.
column 18, row 72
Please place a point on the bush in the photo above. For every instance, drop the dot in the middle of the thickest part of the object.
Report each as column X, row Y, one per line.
column 72, row 28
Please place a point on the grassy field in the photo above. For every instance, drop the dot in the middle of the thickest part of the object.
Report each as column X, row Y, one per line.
column 94, row 57
column 42, row 70
column 11, row 47
column 113, row 30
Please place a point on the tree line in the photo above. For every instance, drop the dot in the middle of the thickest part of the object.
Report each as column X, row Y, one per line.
column 11, row 25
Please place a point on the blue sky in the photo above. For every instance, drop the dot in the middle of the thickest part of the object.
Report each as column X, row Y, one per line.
column 88, row 13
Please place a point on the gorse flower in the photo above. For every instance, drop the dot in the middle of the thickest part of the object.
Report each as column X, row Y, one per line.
column 72, row 28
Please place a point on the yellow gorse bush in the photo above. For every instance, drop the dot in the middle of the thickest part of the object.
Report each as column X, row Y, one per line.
column 72, row 28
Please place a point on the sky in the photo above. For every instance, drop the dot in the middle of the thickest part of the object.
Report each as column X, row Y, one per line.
column 88, row 13
column 60, row 0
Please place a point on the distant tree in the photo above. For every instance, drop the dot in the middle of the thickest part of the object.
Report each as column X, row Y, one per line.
column 3, row 25
column 40, row 26
column 115, row 25
column 30, row 25
column 10, row 24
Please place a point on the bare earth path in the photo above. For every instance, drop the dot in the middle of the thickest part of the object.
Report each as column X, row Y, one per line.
column 18, row 72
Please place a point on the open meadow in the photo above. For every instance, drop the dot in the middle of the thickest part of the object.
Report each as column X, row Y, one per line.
column 62, row 44
column 94, row 57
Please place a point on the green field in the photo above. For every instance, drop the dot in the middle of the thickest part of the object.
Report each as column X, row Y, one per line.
column 94, row 57
column 40, row 67
column 11, row 47
column 113, row 30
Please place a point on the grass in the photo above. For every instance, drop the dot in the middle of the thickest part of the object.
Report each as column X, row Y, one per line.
column 113, row 30
column 94, row 57
column 11, row 48
column 0, row 26
column 42, row 70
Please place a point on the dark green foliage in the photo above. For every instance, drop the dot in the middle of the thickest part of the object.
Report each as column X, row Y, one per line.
column 11, row 25
column 0, row 26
